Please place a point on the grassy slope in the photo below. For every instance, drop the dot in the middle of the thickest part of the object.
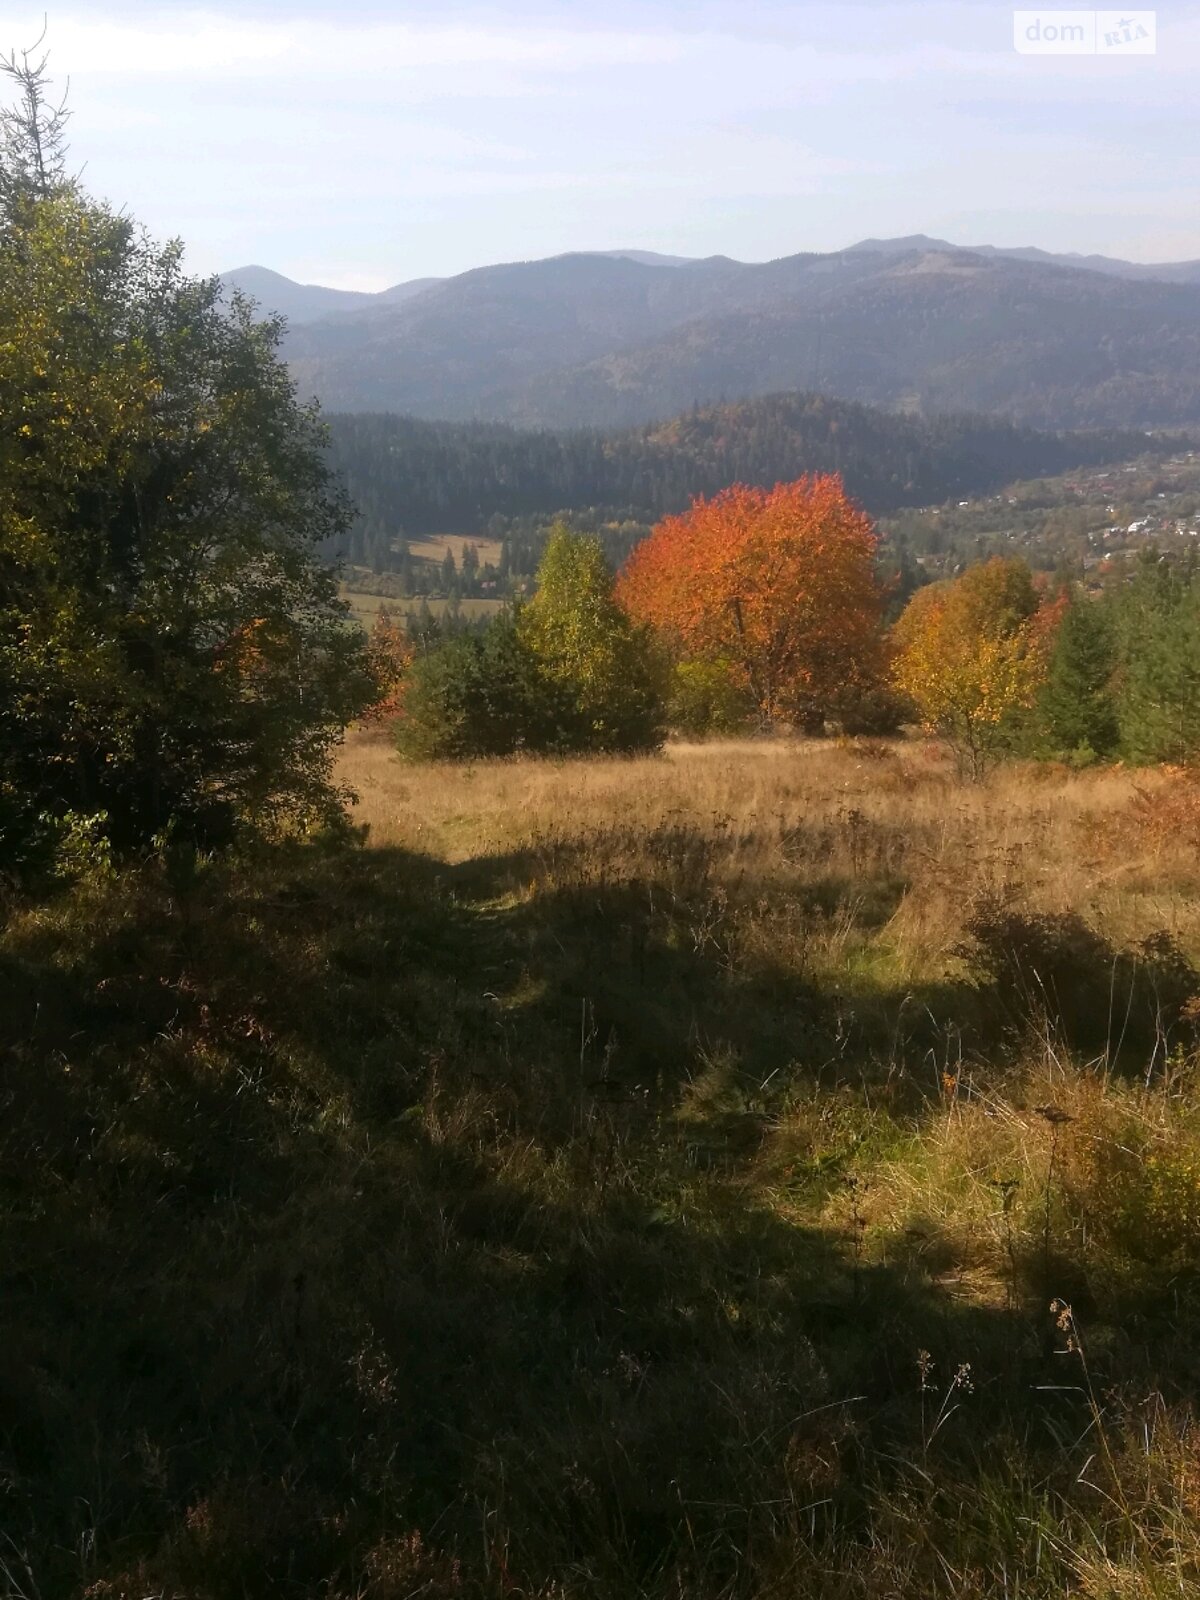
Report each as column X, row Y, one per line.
column 565, row 1195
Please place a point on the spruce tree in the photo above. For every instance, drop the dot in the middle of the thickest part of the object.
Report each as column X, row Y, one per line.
column 1159, row 704
column 449, row 573
column 1075, row 713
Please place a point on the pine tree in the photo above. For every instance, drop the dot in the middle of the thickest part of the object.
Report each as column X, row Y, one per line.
column 1075, row 714
column 1159, row 702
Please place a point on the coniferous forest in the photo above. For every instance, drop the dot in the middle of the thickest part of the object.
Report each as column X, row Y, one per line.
column 408, row 477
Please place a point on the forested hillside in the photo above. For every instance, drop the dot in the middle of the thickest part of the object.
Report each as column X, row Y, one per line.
column 409, row 477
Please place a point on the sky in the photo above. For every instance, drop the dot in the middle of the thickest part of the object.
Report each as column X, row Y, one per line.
column 362, row 146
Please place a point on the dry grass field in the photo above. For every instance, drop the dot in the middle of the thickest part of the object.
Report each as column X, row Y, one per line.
column 434, row 547
column 759, row 1171
column 907, row 850
column 364, row 608
column 950, row 1026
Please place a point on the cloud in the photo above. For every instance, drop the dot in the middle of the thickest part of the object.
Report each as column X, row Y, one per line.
column 207, row 44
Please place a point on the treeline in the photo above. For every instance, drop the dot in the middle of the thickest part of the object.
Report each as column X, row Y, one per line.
column 1001, row 667
column 753, row 608
column 760, row 608
column 409, row 478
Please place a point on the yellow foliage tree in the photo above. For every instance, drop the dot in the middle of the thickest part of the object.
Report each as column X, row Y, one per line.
column 970, row 653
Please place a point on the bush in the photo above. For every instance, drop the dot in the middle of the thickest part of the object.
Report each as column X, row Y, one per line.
column 568, row 673
column 703, row 699
column 1055, row 970
column 875, row 713
column 476, row 695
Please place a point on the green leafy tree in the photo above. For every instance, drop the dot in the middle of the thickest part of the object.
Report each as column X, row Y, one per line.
column 704, row 699
column 173, row 652
column 603, row 667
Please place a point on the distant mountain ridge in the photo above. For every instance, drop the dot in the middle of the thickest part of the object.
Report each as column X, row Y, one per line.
column 309, row 302
column 1157, row 272
column 622, row 338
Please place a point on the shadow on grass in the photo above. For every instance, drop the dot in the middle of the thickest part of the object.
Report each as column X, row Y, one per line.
column 341, row 1204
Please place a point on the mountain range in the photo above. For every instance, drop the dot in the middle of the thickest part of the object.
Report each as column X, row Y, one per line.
column 621, row 338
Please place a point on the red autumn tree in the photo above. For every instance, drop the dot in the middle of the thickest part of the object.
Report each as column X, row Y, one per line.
column 778, row 583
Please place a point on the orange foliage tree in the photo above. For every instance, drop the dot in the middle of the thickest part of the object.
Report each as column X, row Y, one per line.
column 779, row 583
column 389, row 656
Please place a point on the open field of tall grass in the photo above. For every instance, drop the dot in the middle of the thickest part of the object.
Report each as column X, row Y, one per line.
column 763, row 1170
column 365, row 608
column 433, row 548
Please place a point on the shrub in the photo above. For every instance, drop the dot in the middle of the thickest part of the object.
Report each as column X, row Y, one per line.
column 1053, row 969
column 704, row 699
column 476, row 695
column 875, row 712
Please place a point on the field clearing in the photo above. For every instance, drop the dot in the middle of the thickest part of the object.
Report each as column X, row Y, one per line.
column 879, row 818
column 364, row 608
column 434, row 546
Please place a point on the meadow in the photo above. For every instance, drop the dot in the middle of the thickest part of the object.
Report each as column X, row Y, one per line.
column 433, row 548
column 364, row 608
column 764, row 1169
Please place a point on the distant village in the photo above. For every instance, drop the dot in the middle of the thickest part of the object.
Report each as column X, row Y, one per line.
column 1088, row 518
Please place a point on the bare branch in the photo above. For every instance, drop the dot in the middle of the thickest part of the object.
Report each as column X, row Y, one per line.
column 33, row 130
